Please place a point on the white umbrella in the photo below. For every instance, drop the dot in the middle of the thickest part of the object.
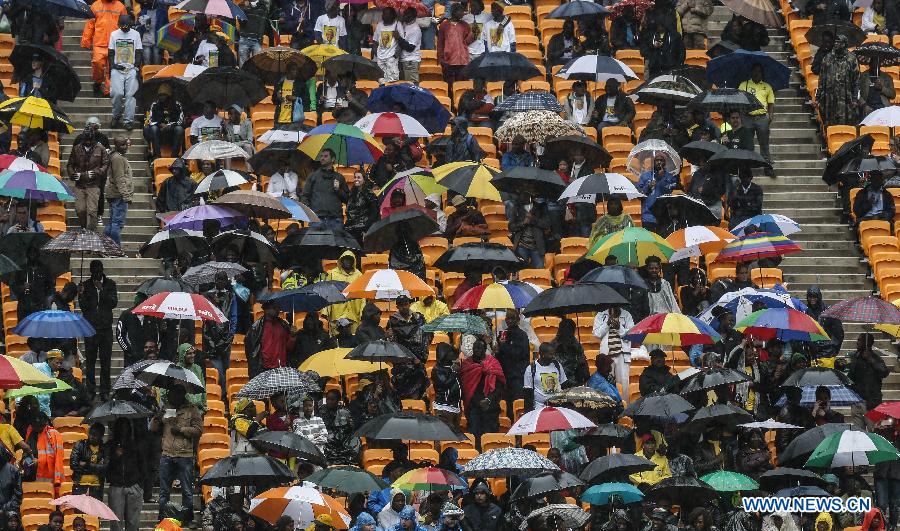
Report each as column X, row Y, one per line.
column 770, row 424
column 392, row 123
column 214, row 150
column 597, row 68
column 889, row 116
column 600, row 183
column 220, row 180
column 648, row 150
column 281, row 135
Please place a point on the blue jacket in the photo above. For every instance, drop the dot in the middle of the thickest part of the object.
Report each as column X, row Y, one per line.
column 378, row 500
column 598, row 382
column 664, row 185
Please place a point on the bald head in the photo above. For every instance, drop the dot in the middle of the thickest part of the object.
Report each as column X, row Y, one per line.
column 121, row 144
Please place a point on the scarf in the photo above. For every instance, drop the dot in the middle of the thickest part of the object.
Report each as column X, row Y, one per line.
column 613, row 342
column 471, row 373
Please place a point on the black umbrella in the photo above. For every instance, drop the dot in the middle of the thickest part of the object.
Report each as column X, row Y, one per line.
column 667, row 88
column 595, row 67
column 614, row 466
column 683, row 490
column 783, row 477
column 546, row 483
column 7, row 266
column 855, row 36
column 380, row 350
column 531, row 180
column 816, row 376
column 694, row 73
column 270, row 159
column 562, row 147
column 501, row 66
column 574, row 298
column 271, row 64
column 863, row 165
column 175, row 242
column 799, row 450
column 480, row 256
column 693, row 211
column 605, row 435
column 316, row 243
column 801, row 492
column 712, row 378
column 290, row 444
column 347, row 479
column 878, row 54
column 699, row 151
column 718, row 414
column 615, row 276
column 227, row 85
column 578, row 8
column 148, row 92
column 858, row 147
column 116, row 409
column 409, row 426
column 412, row 224
column 310, row 298
column 22, row 247
column 247, row 469
column 661, row 405
column 722, row 48
column 732, row 158
column 724, row 100
column 357, row 65
column 251, row 246
column 162, row 284
column 60, row 82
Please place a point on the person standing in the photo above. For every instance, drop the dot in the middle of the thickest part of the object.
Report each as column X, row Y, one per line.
column 498, row 32
column 544, row 377
column 181, row 425
column 453, row 40
column 746, row 199
column 386, row 46
column 330, row 27
column 609, row 327
column 760, row 120
column 482, row 381
column 838, row 92
column 88, row 165
column 269, row 340
column 694, row 19
column 409, row 37
column 164, row 123
column 513, row 353
column 123, row 473
column 119, row 189
column 96, row 37
column 88, row 460
column 218, row 337
column 325, row 191
column 253, row 29
column 97, row 297
column 124, row 67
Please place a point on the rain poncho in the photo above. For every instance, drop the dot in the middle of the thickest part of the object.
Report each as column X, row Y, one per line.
column 661, row 471
column 363, row 519
column 408, row 513
column 349, row 310
column 868, row 525
column 787, row 522
column 823, row 517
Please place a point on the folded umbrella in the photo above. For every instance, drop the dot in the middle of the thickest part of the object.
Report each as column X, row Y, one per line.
column 574, row 298
column 290, row 444
column 598, row 68
column 560, row 147
column 173, row 243
column 481, row 256
column 227, row 85
column 533, row 100
column 507, row 462
column 359, row 66
column 415, row 101
column 411, row 225
column 116, row 409
column 501, row 66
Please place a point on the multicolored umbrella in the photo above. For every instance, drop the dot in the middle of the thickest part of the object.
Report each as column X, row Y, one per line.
column 631, row 246
column 213, row 8
column 462, row 323
column 494, row 296
column 333, row 364
column 740, row 303
column 431, row 479
column 672, row 329
column 34, row 112
column 771, row 223
column 869, row 310
column 37, row 185
column 14, row 163
column 350, row 144
column 600, row 494
column 180, row 305
column 31, row 390
column 392, row 124
column 547, row 419
column 708, row 238
column 423, row 178
column 15, row 373
column 727, row 481
column 387, row 284
column 302, row 504
column 171, row 36
column 57, row 324
column 852, row 448
column 471, row 179
column 785, row 324
column 757, row 246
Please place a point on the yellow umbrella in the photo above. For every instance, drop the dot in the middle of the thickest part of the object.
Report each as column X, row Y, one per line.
column 31, row 111
column 471, row 179
column 331, row 363
column 320, row 53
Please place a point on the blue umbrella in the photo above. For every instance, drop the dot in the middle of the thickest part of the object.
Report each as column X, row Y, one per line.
column 309, row 298
column 600, row 494
column 733, row 69
column 801, row 492
column 298, row 210
column 56, row 324
column 416, row 101
column 63, row 8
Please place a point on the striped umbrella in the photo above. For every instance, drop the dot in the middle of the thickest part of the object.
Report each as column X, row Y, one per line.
column 430, row 479
column 220, row 180
column 771, row 223
column 423, row 178
column 34, row 112
column 547, row 419
column 852, row 448
column 170, row 37
column 756, row 246
column 214, row 8
column 585, row 189
column 668, row 88
column 350, row 144
column 785, row 324
column 14, row 163
column 672, row 329
column 387, row 284
column 471, row 179
column 15, row 373
column 167, row 375
column 302, row 504
column 392, row 124
column 631, row 246
column 869, row 310
column 494, row 296
column 37, row 185
column 54, row 324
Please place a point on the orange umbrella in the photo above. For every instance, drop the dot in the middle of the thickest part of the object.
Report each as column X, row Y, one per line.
column 303, row 504
column 387, row 284
column 187, row 71
column 710, row 239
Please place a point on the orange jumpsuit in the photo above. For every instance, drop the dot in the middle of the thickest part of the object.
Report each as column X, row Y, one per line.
column 96, row 36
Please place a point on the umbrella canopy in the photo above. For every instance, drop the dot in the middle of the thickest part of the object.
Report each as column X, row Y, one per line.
column 116, row 409
column 536, row 127
column 601, row 183
column 756, row 246
column 781, row 477
column 610, row 467
column 350, row 144
column 16, row 163
column 387, row 284
column 494, row 297
column 250, row 246
column 302, row 504
column 214, row 150
column 801, row 492
column 171, row 37
column 549, row 418
column 193, row 218
column 347, row 479
column 217, row 8
column 727, row 481
column 582, row 397
column 22, row 247
column 409, row 425
column 290, row 444
column 708, row 239
column 684, row 490
column 672, row 329
column 316, row 243
column 282, row 380
column 708, row 379
column 180, row 305
column 220, row 180
column 380, row 350
column 546, row 483
column 86, row 504
column 725, row 100
column 883, row 411
column 799, row 449
column 574, row 298
column 861, row 166
column 699, row 151
column 816, row 376
column 531, row 180
column 271, row 64
column 871, row 310
column 332, row 364
column 167, row 375
column 63, row 8
column 533, row 100
column 34, row 112
column 471, row 179
column 310, row 298
column 57, row 324
column 691, row 210
column 30, row 390
column 785, row 324
column 173, row 243
column 566, row 515
column 578, row 8
column 128, row 380
column 206, row 273
column 888, row 116
column 462, row 323
column 594, row 154
column 321, row 53
column 741, row 302
column 480, row 256
column 841, row 396
column 421, row 177
column 298, row 210
column 769, row 424
column 84, row 241
column 771, row 223
column 254, row 204
column 599, row 68
column 505, row 462
column 7, row 265
column 273, row 136
column 15, row 373
column 271, row 159
column 402, row 226
column 638, row 6
column 431, row 479
column 631, row 246
column 852, row 448
column 642, row 156
column 876, row 53
column 600, row 494
column 736, row 158
column 227, row 85
column 501, row 66
column 732, row 69
column 615, row 276
column 852, row 149
column 60, row 82
column 247, row 469
column 721, row 414
column 416, row 102
column 675, row 89
column 759, row 11
column 855, row 36
column 359, row 66
column 391, row 124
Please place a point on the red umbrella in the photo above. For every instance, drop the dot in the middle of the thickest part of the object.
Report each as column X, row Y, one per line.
column 12, row 162
column 871, row 310
column 180, row 305
column 402, row 5
column 640, row 7
column 885, row 410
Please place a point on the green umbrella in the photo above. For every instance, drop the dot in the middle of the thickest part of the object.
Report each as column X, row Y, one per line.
column 26, row 390
column 347, row 479
column 458, row 322
column 852, row 448
column 724, row 481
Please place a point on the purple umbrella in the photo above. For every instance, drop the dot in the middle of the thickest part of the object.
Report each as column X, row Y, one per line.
column 193, row 218
column 37, row 185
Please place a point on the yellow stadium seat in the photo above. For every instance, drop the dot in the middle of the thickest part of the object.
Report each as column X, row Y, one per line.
column 766, row 277
column 214, row 440
column 837, row 135
column 376, row 456
column 206, row 458
column 422, row 454
column 414, row 405
column 876, row 244
column 213, row 424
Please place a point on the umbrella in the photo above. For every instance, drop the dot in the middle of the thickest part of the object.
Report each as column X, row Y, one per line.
column 402, row 5
column 220, row 180
column 638, row 6
column 321, row 53
column 214, row 150
column 771, row 223
column 861, row 166
column 600, row 494
column 86, row 504
column 462, row 323
column 799, row 449
column 347, row 479
column 16, row 163
column 298, row 210
column 310, row 298
column 760, row 11
column 852, row 448
column 63, row 8
column 271, row 158
column 707, row 379
column 533, row 100
column 15, row 373
column 251, row 246
column 316, row 243
column 801, row 492
column 601, row 183
column 879, row 54
column 574, row 298
column 566, row 516
column 171, row 36
column 841, row 396
column 537, row 127
column 733, row 69
column 404, row 226
column 7, row 266
column 494, row 297
column 769, row 424
column 254, row 204
column 273, row 136
column 148, row 92
column 380, row 350
column 725, row 100
column 391, row 124
column 756, row 246
column 332, row 364
column 226, row 85
column 785, row 324
column 631, row 246
column 290, row 444
column 855, row 36
column 683, row 490
column 206, row 273
column 718, row 414
column 727, row 481
column 416, row 102
column 167, row 375
column 34, row 112
column 610, row 467
column 740, row 302
column 302, row 504
column 480, row 256
column 597, row 68
column 578, row 8
column 814, row 377
column 193, row 218
column 594, row 154
column 247, row 469
column 387, row 284
column 691, row 210
column 359, row 66
column 735, row 158
column 530, row 180
column 546, row 483
column 672, row 329
column 852, row 149
column 506, row 462
column 277, row 381
column 431, row 479
column 870, row 310
column 20, row 247
column 31, row 184
column 421, row 177
column 56, row 386
column 888, row 116
column 179, row 305
column 471, row 179
column 662, row 406
column 160, row 284
column 670, row 88
column 501, row 66
column 616, row 276
column 84, row 241
column 60, row 78
column 409, row 426
column 173, row 243
column 350, row 144
column 116, row 409
column 271, row 64
column 127, row 378
column 706, row 239
column 549, row 418
column 583, row 398
column 699, row 151
column 216, row 8
column 884, row 411
column 642, row 156
column 772, row 480
column 57, row 324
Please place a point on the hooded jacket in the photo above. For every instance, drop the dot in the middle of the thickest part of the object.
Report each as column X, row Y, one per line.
column 826, row 517
column 353, row 309
column 197, row 399
column 867, row 524
column 363, row 519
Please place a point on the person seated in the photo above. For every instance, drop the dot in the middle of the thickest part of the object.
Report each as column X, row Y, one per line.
column 204, row 169
column 465, row 220
column 735, row 135
column 207, row 126
column 564, row 46
column 579, row 104
column 653, row 448
column 615, row 108
column 214, row 51
column 656, row 377
column 475, row 104
column 283, row 183
column 176, row 192
column 34, row 82
column 821, row 411
column 164, row 123
column 239, row 129
column 625, row 30
column 38, row 150
column 613, row 221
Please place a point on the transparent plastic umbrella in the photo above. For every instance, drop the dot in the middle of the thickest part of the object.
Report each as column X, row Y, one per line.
column 641, row 157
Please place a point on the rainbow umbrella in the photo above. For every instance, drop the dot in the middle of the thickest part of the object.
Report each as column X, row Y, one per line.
column 672, row 329
column 170, row 36
column 494, row 297
column 350, row 144
column 15, row 373
column 30, row 184
column 785, row 324
column 631, row 246
column 756, row 246
column 430, row 479
column 422, row 177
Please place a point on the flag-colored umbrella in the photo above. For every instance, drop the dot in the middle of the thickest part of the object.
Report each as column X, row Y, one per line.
column 387, row 284
column 34, row 112
column 87, row 505
column 213, row 8
column 302, row 504
column 868, row 310
column 786, row 324
column 350, row 144
column 756, row 246
column 430, row 479
column 15, row 373
column 672, row 329
column 494, row 296
column 57, row 324
column 392, row 124
column 852, row 448
column 547, row 419
column 332, row 364
column 727, row 481
column 37, row 185
column 631, row 246
column 171, row 36
column 471, row 179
